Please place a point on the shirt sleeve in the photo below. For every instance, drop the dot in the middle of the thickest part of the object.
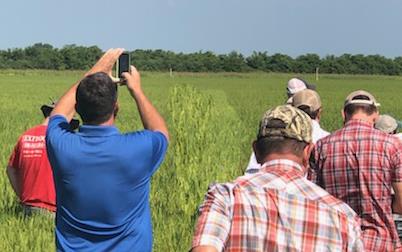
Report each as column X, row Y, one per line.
column 214, row 222
column 396, row 159
column 58, row 125
column 159, row 148
column 355, row 242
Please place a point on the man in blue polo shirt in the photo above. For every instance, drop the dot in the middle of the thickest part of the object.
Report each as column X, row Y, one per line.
column 102, row 177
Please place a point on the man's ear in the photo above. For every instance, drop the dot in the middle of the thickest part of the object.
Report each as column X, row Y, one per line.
column 116, row 109
column 376, row 115
column 257, row 154
column 76, row 108
column 343, row 115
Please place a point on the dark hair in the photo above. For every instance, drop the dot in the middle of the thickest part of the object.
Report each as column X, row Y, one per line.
column 279, row 145
column 312, row 114
column 352, row 109
column 96, row 98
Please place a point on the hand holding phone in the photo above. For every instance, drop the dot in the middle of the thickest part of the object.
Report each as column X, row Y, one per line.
column 123, row 65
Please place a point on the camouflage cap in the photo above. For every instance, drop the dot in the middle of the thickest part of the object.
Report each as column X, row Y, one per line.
column 386, row 123
column 286, row 121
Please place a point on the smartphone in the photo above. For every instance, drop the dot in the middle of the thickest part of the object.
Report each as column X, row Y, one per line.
column 123, row 65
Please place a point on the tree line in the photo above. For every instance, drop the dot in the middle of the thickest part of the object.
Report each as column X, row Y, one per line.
column 73, row 57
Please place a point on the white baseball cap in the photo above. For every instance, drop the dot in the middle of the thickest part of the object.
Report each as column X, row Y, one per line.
column 295, row 85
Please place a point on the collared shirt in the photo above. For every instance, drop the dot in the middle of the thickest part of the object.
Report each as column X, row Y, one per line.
column 276, row 209
column 102, row 180
column 358, row 165
column 318, row 133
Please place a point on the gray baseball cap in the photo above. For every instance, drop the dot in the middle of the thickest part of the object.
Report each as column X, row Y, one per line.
column 386, row 123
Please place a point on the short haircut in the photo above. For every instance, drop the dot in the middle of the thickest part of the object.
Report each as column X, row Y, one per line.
column 352, row 109
column 312, row 114
column 96, row 98
column 279, row 145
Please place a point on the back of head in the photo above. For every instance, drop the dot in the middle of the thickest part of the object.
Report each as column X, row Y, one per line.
column 96, row 98
column 387, row 124
column 283, row 130
column 295, row 85
column 360, row 101
column 309, row 101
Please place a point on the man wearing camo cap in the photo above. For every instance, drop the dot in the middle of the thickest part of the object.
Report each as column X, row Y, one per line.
column 308, row 101
column 277, row 208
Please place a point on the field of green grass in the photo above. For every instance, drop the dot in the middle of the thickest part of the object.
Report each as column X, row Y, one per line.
column 212, row 119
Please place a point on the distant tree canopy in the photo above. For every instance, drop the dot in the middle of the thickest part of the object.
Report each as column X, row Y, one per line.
column 73, row 57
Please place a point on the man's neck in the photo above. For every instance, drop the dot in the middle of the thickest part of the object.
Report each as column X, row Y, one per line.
column 109, row 122
column 362, row 117
column 275, row 156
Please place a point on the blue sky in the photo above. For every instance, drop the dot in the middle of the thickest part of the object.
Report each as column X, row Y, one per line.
column 293, row 27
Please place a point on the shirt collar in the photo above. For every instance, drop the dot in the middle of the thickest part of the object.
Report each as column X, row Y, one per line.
column 96, row 130
column 286, row 162
column 315, row 123
column 358, row 122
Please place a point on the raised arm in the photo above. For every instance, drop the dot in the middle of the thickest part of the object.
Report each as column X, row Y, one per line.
column 150, row 117
column 66, row 104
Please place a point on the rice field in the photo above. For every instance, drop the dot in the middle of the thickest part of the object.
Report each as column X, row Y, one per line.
column 212, row 119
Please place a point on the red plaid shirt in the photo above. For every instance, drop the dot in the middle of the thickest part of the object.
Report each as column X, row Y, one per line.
column 276, row 209
column 358, row 165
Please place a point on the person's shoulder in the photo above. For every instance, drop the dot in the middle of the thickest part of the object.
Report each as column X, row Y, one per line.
column 141, row 133
column 388, row 139
column 145, row 135
column 57, row 117
column 328, row 201
column 37, row 129
column 224, row 190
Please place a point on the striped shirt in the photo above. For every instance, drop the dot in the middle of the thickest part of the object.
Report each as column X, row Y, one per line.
column 358, row 165
column 276, row 209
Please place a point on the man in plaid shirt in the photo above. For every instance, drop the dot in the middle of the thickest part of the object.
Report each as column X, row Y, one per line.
column 277, row 208
column 359, row 165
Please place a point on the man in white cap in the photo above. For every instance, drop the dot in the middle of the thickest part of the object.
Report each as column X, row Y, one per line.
column 360, row 165
column 296, row 85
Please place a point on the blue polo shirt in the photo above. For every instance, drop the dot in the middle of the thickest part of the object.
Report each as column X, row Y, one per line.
column 102, row 181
